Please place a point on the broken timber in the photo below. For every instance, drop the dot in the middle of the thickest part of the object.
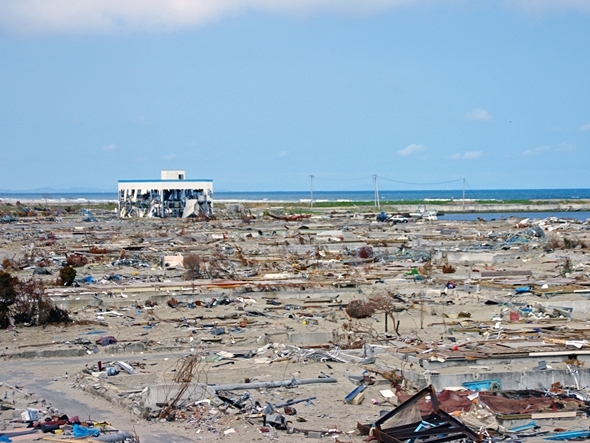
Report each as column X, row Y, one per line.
column 436, row 427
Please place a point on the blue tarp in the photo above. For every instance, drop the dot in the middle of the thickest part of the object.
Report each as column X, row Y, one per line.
column 81, row 431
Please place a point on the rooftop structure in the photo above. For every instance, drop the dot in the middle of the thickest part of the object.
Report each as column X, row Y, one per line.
column 170, row 196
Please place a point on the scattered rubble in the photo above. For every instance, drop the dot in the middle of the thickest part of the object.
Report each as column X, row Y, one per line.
column 288, row 325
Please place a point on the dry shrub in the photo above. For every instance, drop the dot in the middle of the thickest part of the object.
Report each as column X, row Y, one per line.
column 572, row 243
column 192, row 263
column 448, row 269
column 426, row 269
column 365, row 252
column 387, row 303
column 44, row 263
column 554, row 242
column 67, row 275
column 241, row 256
column 32, row 306
column 567, row 266
column 9, row 264
column 95, row 250
column 360, row 309
column 76, row 260
column 357, row 333
column 8, row 295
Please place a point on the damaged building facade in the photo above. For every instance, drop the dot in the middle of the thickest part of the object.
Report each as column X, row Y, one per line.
column 171, row 196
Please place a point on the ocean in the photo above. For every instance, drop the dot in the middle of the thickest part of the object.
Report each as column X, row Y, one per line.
column 333, row 196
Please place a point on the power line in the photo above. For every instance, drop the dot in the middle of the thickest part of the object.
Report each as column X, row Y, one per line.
column 421, row 184
column 343, row 179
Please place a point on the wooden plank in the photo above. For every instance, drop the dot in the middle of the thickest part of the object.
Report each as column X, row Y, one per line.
column 539, row 415
column 491, row 274
column 524, row 344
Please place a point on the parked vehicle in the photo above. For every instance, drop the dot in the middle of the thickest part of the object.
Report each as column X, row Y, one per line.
column 398, row 218
column 382, row 216
column 425, row 214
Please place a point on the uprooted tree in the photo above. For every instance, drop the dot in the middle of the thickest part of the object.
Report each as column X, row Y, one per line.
column 25, row 302
column 8, row 294
column 388, row 303
column 193, row 264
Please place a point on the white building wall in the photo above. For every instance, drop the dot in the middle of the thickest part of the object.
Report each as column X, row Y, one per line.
column 167, row 197
column 172, row 174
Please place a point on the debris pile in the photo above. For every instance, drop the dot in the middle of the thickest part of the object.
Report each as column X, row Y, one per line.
column 292, row 325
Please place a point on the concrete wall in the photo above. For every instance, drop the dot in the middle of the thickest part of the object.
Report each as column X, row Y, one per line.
column 535, row 379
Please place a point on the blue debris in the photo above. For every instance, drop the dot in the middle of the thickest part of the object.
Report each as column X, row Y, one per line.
column 81, row 431
column 570, row 435
column 494, row 384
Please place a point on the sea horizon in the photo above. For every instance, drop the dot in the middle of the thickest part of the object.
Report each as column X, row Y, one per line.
column 332, row 196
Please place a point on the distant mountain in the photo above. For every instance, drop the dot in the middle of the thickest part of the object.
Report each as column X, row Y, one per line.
column 56, row 191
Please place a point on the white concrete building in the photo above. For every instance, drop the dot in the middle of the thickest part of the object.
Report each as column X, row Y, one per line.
column 171, row 196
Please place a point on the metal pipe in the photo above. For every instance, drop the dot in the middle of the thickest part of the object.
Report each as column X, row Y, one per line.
column 272, row 384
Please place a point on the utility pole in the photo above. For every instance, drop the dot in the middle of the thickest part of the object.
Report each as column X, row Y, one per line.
column 377, row 202
column 463, row 194
column 311, row 192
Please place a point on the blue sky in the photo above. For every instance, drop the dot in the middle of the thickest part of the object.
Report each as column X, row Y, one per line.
column 259, row 94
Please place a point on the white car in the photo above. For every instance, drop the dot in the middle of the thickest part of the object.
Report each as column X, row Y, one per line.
column 398, row 218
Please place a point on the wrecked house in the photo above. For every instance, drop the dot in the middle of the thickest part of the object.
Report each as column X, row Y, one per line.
column 171, row 196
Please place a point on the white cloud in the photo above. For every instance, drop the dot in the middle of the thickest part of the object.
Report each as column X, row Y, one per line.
column 562, row 147
column 585, row 127
column 468, row 155
column 409, row 150
column 110, row 147
column 283, row 153
column 536, row 151
column 478, row 114
column 169, row 157
column 548, row 6
column 566, row 147
column 105, row 16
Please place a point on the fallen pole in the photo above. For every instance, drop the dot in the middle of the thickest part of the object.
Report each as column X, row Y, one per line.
column 272, row 384
column 294, row 402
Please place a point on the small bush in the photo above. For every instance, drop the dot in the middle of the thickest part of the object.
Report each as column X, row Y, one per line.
column 360, row 309
column 426, row 269
column 448, row 269
column 67, row 275
column 365, row 252
column 192, row 263
column 572, row 243
column 32, row 306
column 44, row 263
column 77, row 260
column 554, row 242
column 95, row 250
column 9, row 265
column 8, row 295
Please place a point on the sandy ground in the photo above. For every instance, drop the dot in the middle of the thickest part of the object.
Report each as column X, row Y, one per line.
column 157, row 338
